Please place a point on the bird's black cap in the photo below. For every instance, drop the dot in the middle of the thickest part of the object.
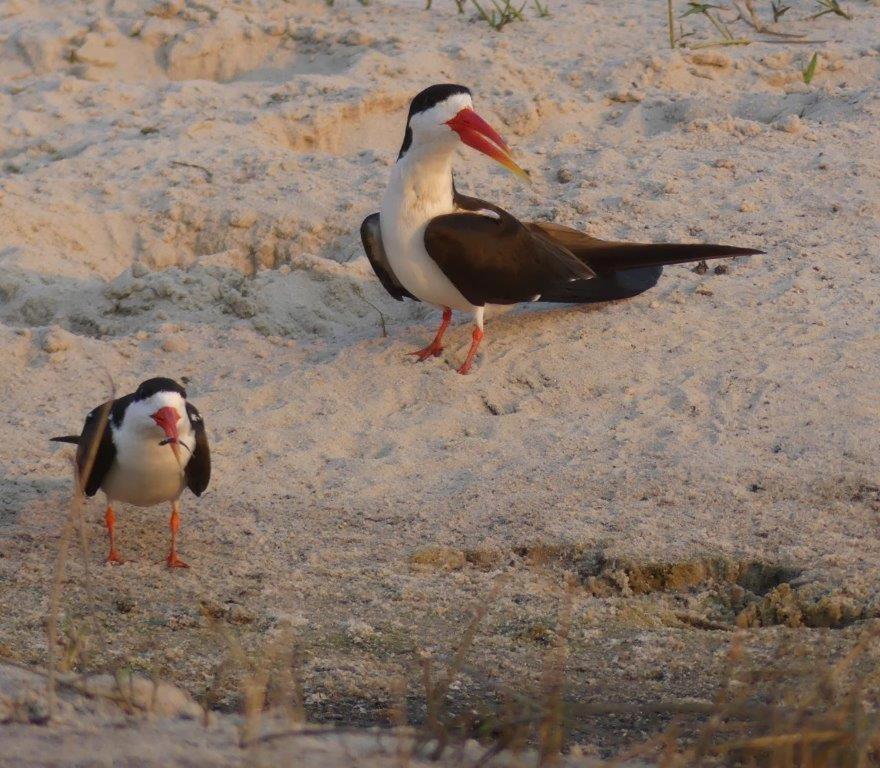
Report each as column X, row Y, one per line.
column 150, row 387
column 433, row 95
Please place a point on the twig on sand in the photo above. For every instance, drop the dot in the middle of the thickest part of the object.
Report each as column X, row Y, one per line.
column 359, row 292
column 701, row 622
column 713, row 43
column 209, row 176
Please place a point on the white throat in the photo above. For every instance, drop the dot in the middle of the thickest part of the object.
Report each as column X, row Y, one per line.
column 420, row 188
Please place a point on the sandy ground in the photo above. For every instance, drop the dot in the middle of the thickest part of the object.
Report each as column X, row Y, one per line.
column 182, row 185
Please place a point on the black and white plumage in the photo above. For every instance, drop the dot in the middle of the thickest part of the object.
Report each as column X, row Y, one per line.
column 430, row 243
column 145, row 448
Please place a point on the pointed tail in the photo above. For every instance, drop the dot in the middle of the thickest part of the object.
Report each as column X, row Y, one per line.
column 615, row 257
column 605, row 257
column 65, row 439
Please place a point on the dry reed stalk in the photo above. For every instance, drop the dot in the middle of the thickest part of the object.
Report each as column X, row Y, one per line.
column 550, row 730
column 75, row 514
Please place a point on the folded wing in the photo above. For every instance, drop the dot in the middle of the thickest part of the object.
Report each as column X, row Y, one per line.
column 494, row 259
column 95, row 436
column 371, row 237
column 198, row 468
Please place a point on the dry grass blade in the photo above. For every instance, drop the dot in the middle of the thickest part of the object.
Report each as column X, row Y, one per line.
column 501, row 15
column 550, row 732
column 831, row 6
column 435, row 693
column 75, row 512
column 713, row 43
column 810, row 70
column 266, row 680
column 751, row 16
column 781, row 740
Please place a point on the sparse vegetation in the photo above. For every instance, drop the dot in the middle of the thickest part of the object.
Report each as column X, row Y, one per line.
column 747, row 13
column 779, row 10
column 770, row 711
column 501, row 13
column 810, row 69
column 831, row 6
column 778, row 688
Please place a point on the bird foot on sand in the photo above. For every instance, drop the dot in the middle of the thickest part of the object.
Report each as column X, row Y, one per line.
column 432, row 350
column 174, row 561
column 114, row 558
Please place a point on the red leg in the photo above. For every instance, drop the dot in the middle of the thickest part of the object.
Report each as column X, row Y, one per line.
column 435, row 347
column 110, row 520
column 477, row 337
column 173, row 560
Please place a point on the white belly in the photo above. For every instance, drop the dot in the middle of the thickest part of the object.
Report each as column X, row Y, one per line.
column 145, row 473
column 419, row 273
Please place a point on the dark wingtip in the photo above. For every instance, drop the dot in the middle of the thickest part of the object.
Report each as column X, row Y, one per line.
column 65, row 439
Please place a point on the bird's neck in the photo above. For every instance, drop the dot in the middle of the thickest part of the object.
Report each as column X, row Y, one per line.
column 420, row 188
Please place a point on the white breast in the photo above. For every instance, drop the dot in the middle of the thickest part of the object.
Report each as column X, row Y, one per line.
column 144, row 472
column 420, row 189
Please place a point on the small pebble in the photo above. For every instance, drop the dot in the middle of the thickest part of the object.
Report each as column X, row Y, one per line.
column 56, row 340
column 124, row 604
column 175, row 344
column 711, row 59
column 243, row 219
column 789, row 124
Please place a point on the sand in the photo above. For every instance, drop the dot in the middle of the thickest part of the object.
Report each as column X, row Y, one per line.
column 182, row 186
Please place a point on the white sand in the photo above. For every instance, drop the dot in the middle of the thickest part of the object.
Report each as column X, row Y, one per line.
column 728, row 415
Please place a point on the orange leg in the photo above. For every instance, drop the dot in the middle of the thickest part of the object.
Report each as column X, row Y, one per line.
column 110, row 520
column 435, row 347
column 476, row 337
column 173, row 560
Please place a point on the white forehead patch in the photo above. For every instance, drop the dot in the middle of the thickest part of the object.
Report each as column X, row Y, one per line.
column 441, row 112
column 139, row 414
column 163, row 400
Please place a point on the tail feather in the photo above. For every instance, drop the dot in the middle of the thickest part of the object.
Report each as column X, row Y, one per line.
column 65, row 439
column 605, row 257
column 614, row 257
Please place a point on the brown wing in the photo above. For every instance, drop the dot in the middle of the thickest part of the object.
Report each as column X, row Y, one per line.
column 494, row 259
